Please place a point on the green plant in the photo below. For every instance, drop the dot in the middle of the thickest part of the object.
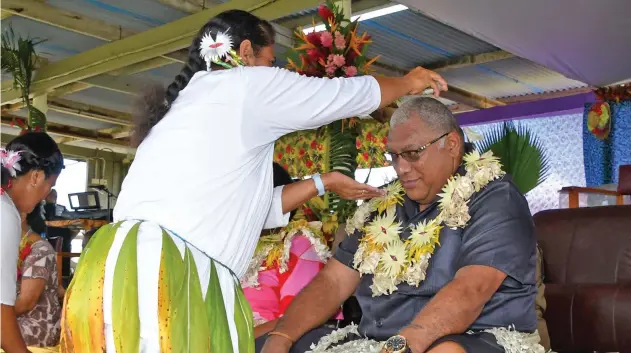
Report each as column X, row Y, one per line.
column 520, row 152
column 19, row 59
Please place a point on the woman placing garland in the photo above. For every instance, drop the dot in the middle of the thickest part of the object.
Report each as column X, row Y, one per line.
column 31, row 164
column 200, row 191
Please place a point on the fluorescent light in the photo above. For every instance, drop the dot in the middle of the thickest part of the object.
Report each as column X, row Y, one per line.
column 362, row 17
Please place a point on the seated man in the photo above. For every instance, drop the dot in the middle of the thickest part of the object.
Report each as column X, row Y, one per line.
column 438, row 273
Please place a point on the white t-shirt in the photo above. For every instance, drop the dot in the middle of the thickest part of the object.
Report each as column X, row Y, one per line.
column 205, row 170
column 11, row 228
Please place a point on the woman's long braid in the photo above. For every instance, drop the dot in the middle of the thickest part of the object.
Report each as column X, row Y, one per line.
column 157, row 102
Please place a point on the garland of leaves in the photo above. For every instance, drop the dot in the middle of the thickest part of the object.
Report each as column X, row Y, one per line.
column 19, row 59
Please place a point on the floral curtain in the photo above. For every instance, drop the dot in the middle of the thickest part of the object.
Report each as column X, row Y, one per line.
column 604, row 157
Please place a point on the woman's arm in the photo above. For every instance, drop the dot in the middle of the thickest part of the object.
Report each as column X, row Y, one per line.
column 11, row 337
column 296, row 194
column 279, row 101
column 30, row 291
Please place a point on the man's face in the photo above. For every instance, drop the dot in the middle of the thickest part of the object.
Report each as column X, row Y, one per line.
column 423, row 178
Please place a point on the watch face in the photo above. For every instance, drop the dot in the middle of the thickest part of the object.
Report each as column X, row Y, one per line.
column 396, row 344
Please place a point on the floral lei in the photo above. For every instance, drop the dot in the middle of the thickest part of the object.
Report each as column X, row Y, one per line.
column 390, row 259
column 273, row 250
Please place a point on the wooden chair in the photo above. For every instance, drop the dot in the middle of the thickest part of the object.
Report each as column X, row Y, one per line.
column 624, row 188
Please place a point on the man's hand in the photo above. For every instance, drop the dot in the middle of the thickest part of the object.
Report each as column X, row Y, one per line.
column 348, row 188
column 276, row 344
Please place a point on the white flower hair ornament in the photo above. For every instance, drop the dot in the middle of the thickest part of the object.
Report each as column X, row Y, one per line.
column 10, row 160
column 219, row 51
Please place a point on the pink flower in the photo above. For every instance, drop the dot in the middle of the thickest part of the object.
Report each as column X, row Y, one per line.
column 338, row 60
column 350, row 71
column 326, row 39
column 330, row 69
column 340, row 42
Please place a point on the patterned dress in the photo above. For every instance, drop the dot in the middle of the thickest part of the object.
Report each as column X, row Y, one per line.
column 40, row 327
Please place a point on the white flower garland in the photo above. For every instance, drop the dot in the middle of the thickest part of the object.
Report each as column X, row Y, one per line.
column 382, row 252
column 275, row 249
column 513, row 341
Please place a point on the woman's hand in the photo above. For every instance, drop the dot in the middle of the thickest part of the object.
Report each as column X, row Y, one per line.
column 348, row 188
column 419, row 79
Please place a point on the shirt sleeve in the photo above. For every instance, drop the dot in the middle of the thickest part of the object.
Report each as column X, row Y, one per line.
column 275, row 217
column 282, row 101
column 345, row 252
column 9, row 248
column 501, row 233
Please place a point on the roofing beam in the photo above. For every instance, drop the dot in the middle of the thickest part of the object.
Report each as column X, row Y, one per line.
column 90, row 112
column 72, row 21
column 74, row 133
column 548, row 95
column 147, row 45
column 469, row 60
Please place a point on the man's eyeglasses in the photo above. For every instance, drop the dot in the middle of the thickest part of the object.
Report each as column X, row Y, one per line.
column 412, row 155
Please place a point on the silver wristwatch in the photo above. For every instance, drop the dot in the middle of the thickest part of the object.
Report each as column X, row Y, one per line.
column 396, row 344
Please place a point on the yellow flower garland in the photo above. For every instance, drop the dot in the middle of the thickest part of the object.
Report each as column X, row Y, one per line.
column 381, row 251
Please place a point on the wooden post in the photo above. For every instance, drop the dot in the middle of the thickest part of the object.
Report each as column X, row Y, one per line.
column 345, row 6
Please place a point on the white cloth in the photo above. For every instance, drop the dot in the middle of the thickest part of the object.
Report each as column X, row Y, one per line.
column 205, row 170
column 11, row 228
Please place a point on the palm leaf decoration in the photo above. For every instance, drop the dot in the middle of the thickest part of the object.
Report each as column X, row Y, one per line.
column 520, row 152
column 342, row 158
column 20, row 60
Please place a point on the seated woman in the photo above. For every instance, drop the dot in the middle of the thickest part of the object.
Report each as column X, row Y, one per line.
column 277, row 273
column 37, row 306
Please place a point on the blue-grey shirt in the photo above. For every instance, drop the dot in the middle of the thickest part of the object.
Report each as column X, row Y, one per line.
column 500, row 234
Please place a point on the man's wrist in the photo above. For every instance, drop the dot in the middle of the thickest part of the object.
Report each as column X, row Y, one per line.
column 414, row 334
column 328, row 179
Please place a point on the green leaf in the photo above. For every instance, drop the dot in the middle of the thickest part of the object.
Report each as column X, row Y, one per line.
column 83, row 308
column 244, row 320
column 125, row 316
column 220, row 340
column 183, row 326
column 521, row 153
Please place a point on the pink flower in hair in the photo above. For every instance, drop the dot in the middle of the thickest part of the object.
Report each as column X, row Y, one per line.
column 326, row 39
column 9, row 160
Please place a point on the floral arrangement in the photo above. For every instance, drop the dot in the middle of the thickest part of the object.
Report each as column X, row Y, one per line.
column 337, row 51
column 302, row 153
column 614, row 93
column 274, row 250
column 392, row 260
column 371, row 145
column 599, row 120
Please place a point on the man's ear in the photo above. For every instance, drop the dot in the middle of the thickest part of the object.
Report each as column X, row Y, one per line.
column 246, row 52
column 453, row 142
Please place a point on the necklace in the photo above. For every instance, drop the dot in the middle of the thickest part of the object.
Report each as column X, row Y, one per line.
column 392, row 260
column 273, row 251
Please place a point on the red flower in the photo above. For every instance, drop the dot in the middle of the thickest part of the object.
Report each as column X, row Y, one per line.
column 384, row 140
column 315, row 55
column 314, row 38
column 286, row 166
column 358, row 143
column 301, row 152
column 279, row 156
column 366, row 156
column 308, row 211
column 314, row 144
column 369, row 136
column 309, row 163
column 288, row 149
column 325, row 13
column 350, row 57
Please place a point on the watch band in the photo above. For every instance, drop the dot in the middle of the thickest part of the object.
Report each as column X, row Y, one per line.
column 317, row 180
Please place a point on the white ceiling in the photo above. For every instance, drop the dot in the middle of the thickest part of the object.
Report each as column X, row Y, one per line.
column 586, row 40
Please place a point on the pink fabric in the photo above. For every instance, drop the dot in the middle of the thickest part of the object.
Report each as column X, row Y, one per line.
column 276, row 291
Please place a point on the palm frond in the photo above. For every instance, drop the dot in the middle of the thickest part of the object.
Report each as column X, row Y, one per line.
column 343, row 159
column 19, row 59
column 522, row 154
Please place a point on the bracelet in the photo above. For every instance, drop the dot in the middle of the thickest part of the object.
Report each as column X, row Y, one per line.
column 317, row 180
column 284, row 335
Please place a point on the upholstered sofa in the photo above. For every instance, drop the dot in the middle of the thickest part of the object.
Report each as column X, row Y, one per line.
column 587, row 273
